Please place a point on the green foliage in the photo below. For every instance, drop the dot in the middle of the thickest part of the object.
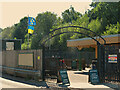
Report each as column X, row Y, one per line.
column 103, row 18
column 25, row 46
column 106, row 11
column 1, row 33
column 21, row 29
column 70, row 14
column 35, row 42
column 7, row 33
column 0, row 30
column 45, row 21
column 96, row 26
column 112, row 29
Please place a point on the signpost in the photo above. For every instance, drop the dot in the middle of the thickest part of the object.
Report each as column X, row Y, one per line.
column 64, row 77
column 93, row 75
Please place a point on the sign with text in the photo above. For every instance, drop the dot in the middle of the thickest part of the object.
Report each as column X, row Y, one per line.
column 25, row 59
column 93, row 75
column 64, row 76
column 9, row 45
column 112, row 58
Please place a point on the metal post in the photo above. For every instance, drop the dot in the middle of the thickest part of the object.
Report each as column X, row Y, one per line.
column 20, row 44
column 28, row 40
column 28, row 33
column 101, row 62
column 80, row 68
column 43, row 63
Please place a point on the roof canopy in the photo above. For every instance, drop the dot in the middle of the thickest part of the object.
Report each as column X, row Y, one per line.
column 89, row 42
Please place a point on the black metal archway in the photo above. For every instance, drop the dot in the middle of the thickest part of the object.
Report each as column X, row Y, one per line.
column 54, row 33
column 69, row 32
column 43, row 41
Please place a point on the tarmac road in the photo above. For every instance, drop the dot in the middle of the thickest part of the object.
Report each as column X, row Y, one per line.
column 10, row 81
column 5, row 83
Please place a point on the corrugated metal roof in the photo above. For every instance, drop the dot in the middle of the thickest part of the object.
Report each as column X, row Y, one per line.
column 115, row 35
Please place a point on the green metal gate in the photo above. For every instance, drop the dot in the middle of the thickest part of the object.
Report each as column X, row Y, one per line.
column 112, row 63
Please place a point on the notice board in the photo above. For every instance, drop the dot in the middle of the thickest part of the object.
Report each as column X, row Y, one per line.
column 93, row 75
column 9, row 45
column 64, row 77
column 25, row 59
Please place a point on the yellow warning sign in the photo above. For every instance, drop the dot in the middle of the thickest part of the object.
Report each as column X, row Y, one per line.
column 38, row 57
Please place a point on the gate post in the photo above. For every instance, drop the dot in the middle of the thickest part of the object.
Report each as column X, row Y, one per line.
column 101, row 62
column 43, row 62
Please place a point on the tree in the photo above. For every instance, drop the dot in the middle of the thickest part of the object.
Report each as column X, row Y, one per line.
column 103, row 19
column 35, row 42
column 21, row 29
column 7, row 33
column 44, row 22
column 112, row 29
column 0, row 33
column 70, row 14
column 96, row 26
column 0, row 30
column 106, row 11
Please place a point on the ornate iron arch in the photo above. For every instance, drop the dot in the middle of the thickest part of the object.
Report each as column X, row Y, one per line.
column 48, row 37
column 69, row 32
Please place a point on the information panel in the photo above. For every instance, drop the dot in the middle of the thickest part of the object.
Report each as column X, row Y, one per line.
column 93, row 75
column 25, row 59
column 9, row 45
column 64, row 77
column 112, row 58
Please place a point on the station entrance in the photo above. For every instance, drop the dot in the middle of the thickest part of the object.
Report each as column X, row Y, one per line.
column 52, row 63
column 56, row 60
column 109, row 64
column 112, row 63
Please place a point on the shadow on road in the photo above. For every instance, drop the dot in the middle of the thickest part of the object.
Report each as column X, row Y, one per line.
column 23, row 80
column 84, row 73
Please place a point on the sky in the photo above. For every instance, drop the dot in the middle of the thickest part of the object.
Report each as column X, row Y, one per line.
column 12, row 11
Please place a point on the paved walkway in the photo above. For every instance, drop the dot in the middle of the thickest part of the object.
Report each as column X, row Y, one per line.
column 9, row 81
column 5, row 83
column 79, row 79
